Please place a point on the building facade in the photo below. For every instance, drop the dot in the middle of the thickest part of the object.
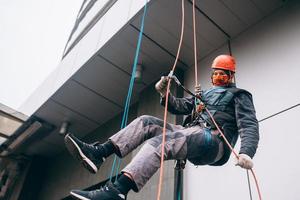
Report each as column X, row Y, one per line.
column 87, row 92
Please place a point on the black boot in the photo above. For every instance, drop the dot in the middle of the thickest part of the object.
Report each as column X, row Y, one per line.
column 91, row 156
column 108, row 192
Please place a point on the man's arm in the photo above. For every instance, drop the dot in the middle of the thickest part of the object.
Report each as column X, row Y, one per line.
column 247, row 124
column 179, row 106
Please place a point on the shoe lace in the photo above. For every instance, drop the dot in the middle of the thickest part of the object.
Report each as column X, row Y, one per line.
column 103, row 189
column 90, row 146
column 106, row 189
column 95, row 192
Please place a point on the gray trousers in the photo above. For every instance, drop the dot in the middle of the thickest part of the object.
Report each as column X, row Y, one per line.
column 195, row 144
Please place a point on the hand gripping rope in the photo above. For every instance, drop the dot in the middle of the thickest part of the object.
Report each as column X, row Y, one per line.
column 197, row 96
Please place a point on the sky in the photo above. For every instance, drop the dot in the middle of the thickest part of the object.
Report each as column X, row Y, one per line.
column 33, row 34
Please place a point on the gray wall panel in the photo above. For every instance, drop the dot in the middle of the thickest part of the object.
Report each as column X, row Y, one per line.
column 267, row 65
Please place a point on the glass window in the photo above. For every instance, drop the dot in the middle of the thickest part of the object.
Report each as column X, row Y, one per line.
column 90, row 9
column 85, row 3
column 92, row 12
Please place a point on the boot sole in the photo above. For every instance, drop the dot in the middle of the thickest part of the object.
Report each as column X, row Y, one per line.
column 77, row 196
column 76, row 152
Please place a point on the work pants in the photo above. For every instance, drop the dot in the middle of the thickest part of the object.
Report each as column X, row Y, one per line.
column 195, row 143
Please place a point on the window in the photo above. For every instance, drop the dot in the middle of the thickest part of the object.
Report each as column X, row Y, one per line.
column 86, row 15
column 91, row 11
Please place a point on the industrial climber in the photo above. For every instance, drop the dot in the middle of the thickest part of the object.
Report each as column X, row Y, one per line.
column 197, row 141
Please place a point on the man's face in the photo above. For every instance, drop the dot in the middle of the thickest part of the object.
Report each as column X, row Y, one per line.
column 220, row 78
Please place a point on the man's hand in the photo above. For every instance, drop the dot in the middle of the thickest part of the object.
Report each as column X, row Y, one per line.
column 200, row 107
column 161, row 85
column 244, row 161
column 198, row 89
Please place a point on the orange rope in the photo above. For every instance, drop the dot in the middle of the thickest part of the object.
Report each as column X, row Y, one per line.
column 166, row 108
column 234, row 152
column 195, row 44
column 256, row 184
column 196, row 84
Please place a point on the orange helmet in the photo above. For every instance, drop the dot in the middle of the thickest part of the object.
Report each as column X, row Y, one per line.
column 225, row 62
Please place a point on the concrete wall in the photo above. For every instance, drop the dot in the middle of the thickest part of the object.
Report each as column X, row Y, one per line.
column 268, row 66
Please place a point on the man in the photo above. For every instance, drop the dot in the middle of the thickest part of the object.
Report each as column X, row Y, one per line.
column 197, row 141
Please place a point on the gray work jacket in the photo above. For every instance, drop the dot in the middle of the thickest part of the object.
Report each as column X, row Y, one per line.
column 236, row 118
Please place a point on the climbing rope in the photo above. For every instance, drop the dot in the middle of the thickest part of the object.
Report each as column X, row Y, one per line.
column 247, row 172
column 212, row 118
column 130, row 89
column 195, row 44
column 166, row 105
column 249, row 185
column 116, row 167
column 196, row 84
column 229, row 47
column 233, row 151
column 282, row 111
